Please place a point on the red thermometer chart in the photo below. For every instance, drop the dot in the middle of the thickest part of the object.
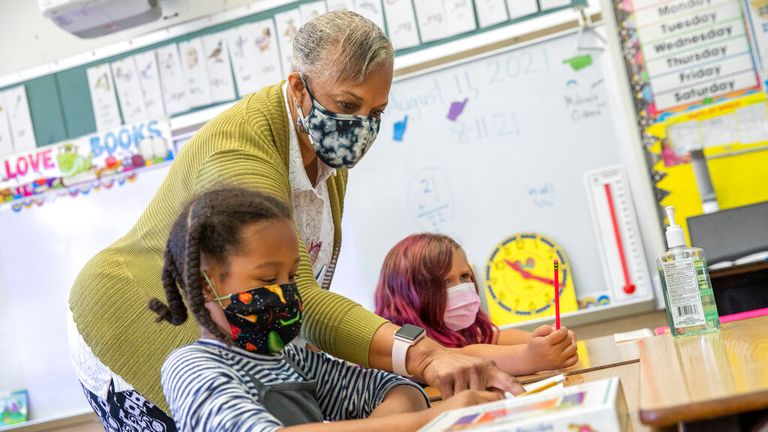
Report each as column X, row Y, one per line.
column 618, row 235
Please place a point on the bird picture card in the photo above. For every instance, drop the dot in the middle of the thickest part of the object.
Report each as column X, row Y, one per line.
column 521, row 8
column 128, row 88
column 255, row 56
column 460, row 15
column 401, row 23
column 193, row 63
column 287, row 25
column 173, row 80
column 491, row 12
column 149, row 80
column 312, row 10
column 433, row 23
column 219, row 67
column 101, row 86
column 6, row 142
column 372, row 10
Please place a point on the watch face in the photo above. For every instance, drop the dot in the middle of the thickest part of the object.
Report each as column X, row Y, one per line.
column 409, row 332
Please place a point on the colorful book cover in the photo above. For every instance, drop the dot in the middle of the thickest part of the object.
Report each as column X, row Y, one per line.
column 13, row 407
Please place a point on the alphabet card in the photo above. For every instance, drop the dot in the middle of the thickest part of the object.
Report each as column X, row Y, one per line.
column 287, row 24
column 173, row 80
column 219, row 67
column 149, row 80
column 460, row 16
column 6, row 142
column 193, row 63
column 521, row 8
column 490, row 12
column 433, row 22
column 401, row 22
column 102, row 89
column 128, row 88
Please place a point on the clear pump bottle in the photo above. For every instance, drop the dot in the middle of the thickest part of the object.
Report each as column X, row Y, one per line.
column 690, row 301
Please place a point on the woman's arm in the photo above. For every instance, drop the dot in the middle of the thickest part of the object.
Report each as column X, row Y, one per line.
column 450, row 371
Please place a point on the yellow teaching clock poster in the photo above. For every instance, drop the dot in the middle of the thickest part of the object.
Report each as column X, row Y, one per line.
column 519, row 279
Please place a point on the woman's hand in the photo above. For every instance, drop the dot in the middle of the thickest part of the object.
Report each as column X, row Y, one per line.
column 452, row 372
column 552, row 349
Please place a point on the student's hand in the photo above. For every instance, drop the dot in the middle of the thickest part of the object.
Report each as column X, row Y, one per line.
column 465, row 399
column 552, row 349
column 452, row 372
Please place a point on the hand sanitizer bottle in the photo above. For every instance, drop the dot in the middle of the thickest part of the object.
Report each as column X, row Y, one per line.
column 691, row 308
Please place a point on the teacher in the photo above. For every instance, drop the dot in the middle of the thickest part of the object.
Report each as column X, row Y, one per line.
column 294, row 140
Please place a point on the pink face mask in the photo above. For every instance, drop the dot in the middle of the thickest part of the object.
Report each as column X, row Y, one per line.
column 461, row 306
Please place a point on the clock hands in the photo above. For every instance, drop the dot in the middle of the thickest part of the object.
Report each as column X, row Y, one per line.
column 516, row 266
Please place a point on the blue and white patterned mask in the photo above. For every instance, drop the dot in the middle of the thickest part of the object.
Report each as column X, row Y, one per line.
column 339, row 140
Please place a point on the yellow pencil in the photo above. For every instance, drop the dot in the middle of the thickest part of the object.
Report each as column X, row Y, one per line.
column 540, row 389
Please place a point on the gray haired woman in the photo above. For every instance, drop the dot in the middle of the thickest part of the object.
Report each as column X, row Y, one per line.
column 294, row 140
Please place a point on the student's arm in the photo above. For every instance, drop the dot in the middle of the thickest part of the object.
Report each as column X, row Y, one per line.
column 547, row 349
column 512, row 337
column 402, row 422
column 347, row 392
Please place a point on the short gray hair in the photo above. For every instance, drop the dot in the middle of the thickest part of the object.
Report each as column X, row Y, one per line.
column 341, row 45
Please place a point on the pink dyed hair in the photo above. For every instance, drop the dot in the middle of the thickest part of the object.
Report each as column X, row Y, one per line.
column 411, row 290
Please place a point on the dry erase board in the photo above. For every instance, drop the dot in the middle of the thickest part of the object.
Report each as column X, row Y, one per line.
column 483, row 149
column 42, row 252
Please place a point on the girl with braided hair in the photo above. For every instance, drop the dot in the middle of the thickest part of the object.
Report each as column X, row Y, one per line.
column 231, row 260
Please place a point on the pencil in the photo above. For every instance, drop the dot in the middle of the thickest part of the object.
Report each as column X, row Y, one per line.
column 540, row 389
column 557, row 296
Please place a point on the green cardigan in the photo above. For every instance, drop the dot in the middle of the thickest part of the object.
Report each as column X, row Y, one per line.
column 247, row 146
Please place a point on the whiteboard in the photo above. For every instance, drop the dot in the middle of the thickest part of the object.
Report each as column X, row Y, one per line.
column 42, row 250
column 493, row 145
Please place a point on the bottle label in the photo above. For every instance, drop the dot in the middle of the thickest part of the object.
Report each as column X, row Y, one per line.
column 683, row 292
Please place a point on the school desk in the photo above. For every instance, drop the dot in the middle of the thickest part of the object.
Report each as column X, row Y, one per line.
column 703, row 377
column 594, row 354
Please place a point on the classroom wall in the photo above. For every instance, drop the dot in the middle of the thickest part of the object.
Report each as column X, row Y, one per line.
column 28, row 39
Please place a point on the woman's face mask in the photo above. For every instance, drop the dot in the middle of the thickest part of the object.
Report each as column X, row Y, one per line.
column 263, row 320
column 461, row 306
column 339, row 140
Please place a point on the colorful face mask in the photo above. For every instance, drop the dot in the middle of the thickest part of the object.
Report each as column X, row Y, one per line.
column 263, row 320
column 461, row 306
column 339, row 140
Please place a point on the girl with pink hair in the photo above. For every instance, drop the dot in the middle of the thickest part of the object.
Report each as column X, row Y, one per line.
column 426, row 281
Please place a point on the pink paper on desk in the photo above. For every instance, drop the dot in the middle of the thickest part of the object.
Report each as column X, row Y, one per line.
column 727, row 318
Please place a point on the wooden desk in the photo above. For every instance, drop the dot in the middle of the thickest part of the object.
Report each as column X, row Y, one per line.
column 595, row 354
column 704, row 377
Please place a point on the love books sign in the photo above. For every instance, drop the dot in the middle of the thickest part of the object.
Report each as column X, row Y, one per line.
column 84, row 162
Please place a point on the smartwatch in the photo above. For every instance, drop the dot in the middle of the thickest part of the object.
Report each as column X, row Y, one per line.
column 405, row 337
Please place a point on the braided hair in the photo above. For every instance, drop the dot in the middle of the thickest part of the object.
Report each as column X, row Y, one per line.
column 211, row 225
